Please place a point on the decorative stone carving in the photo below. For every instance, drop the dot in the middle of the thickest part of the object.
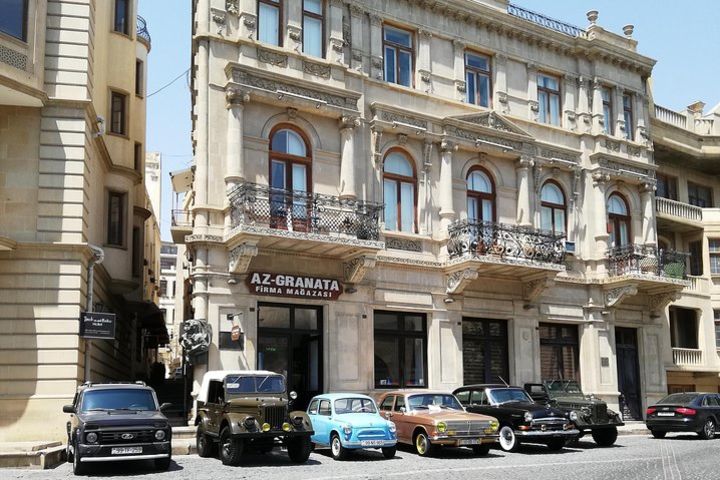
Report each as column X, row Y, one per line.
column 492, row 120
column 377, row 62
column 478, row 139
column 425, row 75
column 273, row 58
column 461, row 86
column 231, row 6
column 13, row 58
column 612, row 145
column 600, row 179
column 375, row 20
column 318, row 69
column 250, row 21
column 349, row 121
column 355, row 10
column 525, row 161
column 533, row 289
column 295, row 33
column 447, row 145
column 354, row 270
column 196, row 337
column 402, row 138
column 292, row 113
column 634, row 151
column 657, row 303
column 405, row 119
column 240, row 257
column 357, row 55
column 457, row 281
column 615, row 296
column 403, row 244
column 203, row 238
column 551, row 154
column 235, row 97
column 219, row 17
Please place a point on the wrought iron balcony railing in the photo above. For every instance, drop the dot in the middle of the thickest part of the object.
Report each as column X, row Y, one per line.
column 304, row 212
column 142, row 31
column 526, row 244
column 647, row 260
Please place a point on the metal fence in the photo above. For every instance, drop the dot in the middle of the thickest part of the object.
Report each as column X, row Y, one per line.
column 647, row 260
column 142, row 31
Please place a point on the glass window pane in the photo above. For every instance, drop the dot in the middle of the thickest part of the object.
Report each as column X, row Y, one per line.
column 12, row 19
column 478, row 181
column 484, row 90
column 552, row 194
column 387, row 361
column 554, row 110
column 390, row 198
column 277, row 174
column 559, row 221
column 617, row 205
column 390, row 64
column 624, row 234
column 386, row 321
column 542, row 107
column 628, row 125
column 314, row 6
column 405, row 64
column 273, row 317
column 273, row 354
column 279, row 141
column 295, row 144
column 470, row 87
column 306, row 318
column 269, row 24
column 546, row 218
column 472, row 212
column 414, row 362
column 606, row 119
column 299, row 177
column 397, row 163
column 477, row 61
column 312, row 36
column 414, row 323
column 407, row 201
column 398, row 36
column 487, row 210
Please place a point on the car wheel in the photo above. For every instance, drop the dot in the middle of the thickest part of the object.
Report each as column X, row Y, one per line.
column 336, row 448
column 508, row 440
column 556, row 444
column 389, row 452
column 605, row 437
column 78, row 468
column 708, row 430
column 204, row 445
column 422, row 444
column 69, row 451
column 481, row 450
column 658, row 434
column 162, row 463
column 231, row 450
column 299, row 449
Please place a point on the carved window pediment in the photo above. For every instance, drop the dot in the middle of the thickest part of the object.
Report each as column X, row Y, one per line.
column 493, row 121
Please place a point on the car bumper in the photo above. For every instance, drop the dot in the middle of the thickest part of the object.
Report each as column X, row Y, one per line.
column 274, row 434
column 587, row 427
column 380, row 444
column 463, row 440
column 546, row 435
column 104, row 453
column 673, row 424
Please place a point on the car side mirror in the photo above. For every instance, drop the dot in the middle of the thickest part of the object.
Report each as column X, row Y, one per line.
column 165, row 406
column 403, row 409
column 68, row 409
column 292, row 395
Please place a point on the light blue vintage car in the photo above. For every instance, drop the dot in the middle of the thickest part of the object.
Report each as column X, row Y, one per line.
column 345, row 421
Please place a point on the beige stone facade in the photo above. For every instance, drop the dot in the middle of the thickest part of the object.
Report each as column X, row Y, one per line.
column 418, row 156
column 62, row 157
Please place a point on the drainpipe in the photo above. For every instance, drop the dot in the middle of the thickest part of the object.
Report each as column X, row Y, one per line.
column 96, row 259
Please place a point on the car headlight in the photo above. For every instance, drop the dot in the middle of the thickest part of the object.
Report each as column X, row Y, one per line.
column 494, row 425
column 347, row 429
column 160, row 435
column 286, row 427
column 265, row 427
column 441, row 427
column 392, row 427
column 91, row 437
column 528, row 417
column 574, row 416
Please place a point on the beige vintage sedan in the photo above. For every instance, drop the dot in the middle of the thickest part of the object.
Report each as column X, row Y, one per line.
column 427, row 419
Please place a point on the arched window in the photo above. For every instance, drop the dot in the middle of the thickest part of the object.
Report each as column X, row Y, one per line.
column 399, row 192
column 290, row 171
column 480, row 195
column 552, row 208
column 618, row 221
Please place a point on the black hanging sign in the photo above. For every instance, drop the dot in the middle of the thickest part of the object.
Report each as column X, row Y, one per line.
column 97, row 325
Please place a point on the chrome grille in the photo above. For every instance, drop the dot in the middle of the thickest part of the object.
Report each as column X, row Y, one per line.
column 371, row 434
column 467, row 427
column 275, row 416
column 548, row 423
column 131, row 436
column 600, row 413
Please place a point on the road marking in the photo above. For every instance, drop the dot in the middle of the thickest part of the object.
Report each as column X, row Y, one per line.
column 489, row 467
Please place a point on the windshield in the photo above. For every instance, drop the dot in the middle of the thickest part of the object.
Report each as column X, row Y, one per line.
column 431, row 401
column 564, row 387
column 507, row 395
column 354, row 405
column 678, row 399
column 136, row 399
column 254, row 384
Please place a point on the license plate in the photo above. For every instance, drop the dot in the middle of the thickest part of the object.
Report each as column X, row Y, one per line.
column 372, row 443
column 666, row 414
column 469, row 441
column 125, row 450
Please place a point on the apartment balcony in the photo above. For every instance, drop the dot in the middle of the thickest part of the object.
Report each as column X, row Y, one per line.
column 648, row 269
column 697, row 286
column 181, row 225
column 477, row 248
column 142, row 32
column 687, row 357
column 303, row 223
column 677, row 216
column 691, row 120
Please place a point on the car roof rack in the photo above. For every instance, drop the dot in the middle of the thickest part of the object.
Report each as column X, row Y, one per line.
column 93, row 384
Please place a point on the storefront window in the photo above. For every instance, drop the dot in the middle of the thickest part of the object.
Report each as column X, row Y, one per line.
column 400, row 350
column 559, row 352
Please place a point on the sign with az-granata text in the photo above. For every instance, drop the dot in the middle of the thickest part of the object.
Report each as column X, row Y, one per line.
column 288, row 285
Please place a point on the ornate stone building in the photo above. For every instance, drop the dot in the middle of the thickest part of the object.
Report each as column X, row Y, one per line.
column 72, row 130
column 425, row 194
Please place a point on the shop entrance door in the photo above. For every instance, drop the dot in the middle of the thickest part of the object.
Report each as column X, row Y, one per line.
column 290, row 342
column 485, row 351
column 628, row 372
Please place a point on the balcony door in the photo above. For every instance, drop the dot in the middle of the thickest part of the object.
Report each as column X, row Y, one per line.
column 628, row 372
column 290, row 179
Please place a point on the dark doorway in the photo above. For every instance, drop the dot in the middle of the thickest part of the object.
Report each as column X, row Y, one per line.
column 290, row 342
column 628, row 371
column 559, row 352
column 485, row 351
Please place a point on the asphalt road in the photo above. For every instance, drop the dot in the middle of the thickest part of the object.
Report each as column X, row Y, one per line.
column 633, row 457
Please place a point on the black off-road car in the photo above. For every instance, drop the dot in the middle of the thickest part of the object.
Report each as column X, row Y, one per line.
column 113, row 422
column 588, row 414
column 249, row 410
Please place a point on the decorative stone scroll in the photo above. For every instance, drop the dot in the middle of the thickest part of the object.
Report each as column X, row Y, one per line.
column 241, row 256
column 354, row 270
column 457, row 281
column 615, row 296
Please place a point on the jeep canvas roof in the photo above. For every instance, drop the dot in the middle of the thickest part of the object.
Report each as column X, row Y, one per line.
column 220, row 375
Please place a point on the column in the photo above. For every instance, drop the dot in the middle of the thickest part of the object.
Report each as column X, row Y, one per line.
column 234, row 165
column 424, row 74
column 641, row 117
column 584, row 122
column 293, row 19
column 597, row 108
column 522, row 171
column 347, row 158
column 647, row 193
column 500, row 98
column 376, row 53
column 447, row 213
column 532, row 94
column 459, row 69
column 618, row 110
column 337, row 44
column 569, row 93
column 356, row 32
column 600, row 181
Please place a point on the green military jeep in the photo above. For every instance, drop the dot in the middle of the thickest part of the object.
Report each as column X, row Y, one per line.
column 248, row 410
column 588, row 414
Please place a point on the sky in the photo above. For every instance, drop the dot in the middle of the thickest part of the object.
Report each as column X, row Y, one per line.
column 681, row 35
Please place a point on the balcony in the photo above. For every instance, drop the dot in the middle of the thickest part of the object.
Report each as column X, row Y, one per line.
column 142, row 32
column 496, row 249
column 677, row 216
column 302, row 222
column 547, row 22
column 645, row 268
column 181, row 225
column 687, row 357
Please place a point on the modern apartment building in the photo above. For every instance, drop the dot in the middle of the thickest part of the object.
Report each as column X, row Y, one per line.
column 72, row 134
column 426, row 194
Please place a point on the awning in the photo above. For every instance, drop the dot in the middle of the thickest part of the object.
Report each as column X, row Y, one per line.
column 152, row 320
column 181, row 180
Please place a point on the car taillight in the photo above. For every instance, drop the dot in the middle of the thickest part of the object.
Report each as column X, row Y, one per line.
column 685, row 411
column 650, row 410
